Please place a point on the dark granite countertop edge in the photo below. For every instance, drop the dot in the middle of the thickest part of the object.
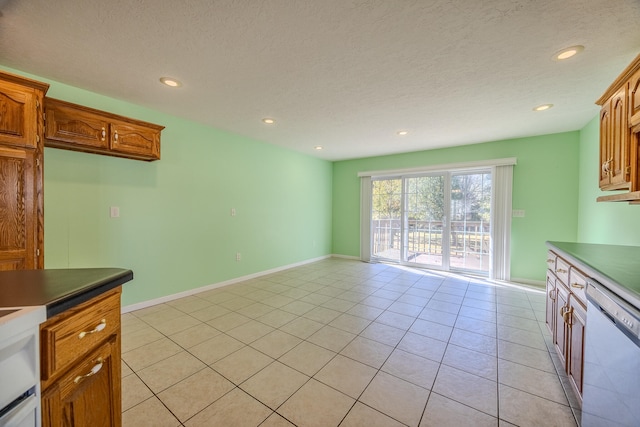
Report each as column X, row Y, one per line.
column 79, row 296
column 595, row 273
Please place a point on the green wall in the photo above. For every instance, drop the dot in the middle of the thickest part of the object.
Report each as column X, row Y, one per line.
column 175, row 230
column 544, row 185
column 605, row 223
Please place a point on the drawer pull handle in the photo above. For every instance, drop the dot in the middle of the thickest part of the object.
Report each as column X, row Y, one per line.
column 101, row 326
column 104, row 133
column 552, row 295
column 550, row 260
column 96, row 368
column 577, row 285
column 561, row 270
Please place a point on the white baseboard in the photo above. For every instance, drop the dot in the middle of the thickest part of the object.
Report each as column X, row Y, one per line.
column 167, row 298
column 357, row 258
column 536, row 283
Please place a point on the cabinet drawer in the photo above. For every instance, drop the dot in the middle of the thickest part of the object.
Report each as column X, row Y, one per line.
column 551, row 261
column 562, row 270
column 71, row 335
column 578, row 284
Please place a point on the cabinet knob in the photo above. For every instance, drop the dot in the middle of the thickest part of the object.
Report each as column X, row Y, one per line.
column 104, row 133
column 115, row 136
column 98, row 328
column 96, row 368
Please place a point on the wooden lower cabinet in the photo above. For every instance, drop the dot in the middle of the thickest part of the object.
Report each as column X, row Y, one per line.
column 560, row 337
column 576, row 325
column 566, row 316
column 551, row 307
column 80, row 365
column 89, row 394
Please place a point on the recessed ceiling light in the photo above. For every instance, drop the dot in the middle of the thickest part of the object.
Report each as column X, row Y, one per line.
column 169, row 81
column 542, row 107
column 568, row 52
column 318, row 147
column 268, row 121
column 403, row 132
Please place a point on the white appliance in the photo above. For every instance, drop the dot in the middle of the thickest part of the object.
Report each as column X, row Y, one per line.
column 20, row 366
column 611, row 361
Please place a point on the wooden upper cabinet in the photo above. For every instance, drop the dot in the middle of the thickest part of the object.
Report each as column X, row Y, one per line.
column 75, row 127
column 134, row 139
column 21, row 177
column 614, row 143
column 620, row 110
column 20, row 108
column 67, row 124
column 634, row 99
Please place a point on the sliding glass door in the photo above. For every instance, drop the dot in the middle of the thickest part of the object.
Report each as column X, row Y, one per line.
column 470, row 231
column 425, row 221
column 438, row 220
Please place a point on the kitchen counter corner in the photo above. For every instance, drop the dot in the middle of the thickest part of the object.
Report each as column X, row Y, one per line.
column 58, row 289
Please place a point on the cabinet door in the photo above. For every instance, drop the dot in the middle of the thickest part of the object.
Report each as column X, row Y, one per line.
column 561, row 329
column 575, row 363
column 19, row 109
column 606, row 147
column 18, row 222
column 619, row 166
column 135, row 140
column 89, row 394
column 551, row 306
column 71, row 125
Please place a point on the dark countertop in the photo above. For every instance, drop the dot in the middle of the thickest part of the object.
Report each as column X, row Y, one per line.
column 615, row 267
column 58, row 289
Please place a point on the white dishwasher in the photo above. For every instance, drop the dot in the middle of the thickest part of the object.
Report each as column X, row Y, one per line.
column 20, row 366
column 611, row 360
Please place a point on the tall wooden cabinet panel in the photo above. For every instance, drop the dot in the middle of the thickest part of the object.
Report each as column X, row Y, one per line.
column 75, row 127
column 18, row 225
column 21, row 174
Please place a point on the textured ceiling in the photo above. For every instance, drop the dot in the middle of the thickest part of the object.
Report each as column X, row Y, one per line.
column 344, row 74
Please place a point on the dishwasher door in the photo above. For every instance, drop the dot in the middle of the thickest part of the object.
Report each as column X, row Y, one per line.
column 611, row 393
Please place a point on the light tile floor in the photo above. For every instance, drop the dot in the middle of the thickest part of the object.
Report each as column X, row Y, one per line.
column 344, row 343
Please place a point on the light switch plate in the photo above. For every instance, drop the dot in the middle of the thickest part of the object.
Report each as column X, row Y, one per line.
column 114, row 212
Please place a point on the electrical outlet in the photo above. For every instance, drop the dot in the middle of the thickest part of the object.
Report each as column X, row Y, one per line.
column 233, row 211
column 238, row 256
column 114, row 212
column 518, row 213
